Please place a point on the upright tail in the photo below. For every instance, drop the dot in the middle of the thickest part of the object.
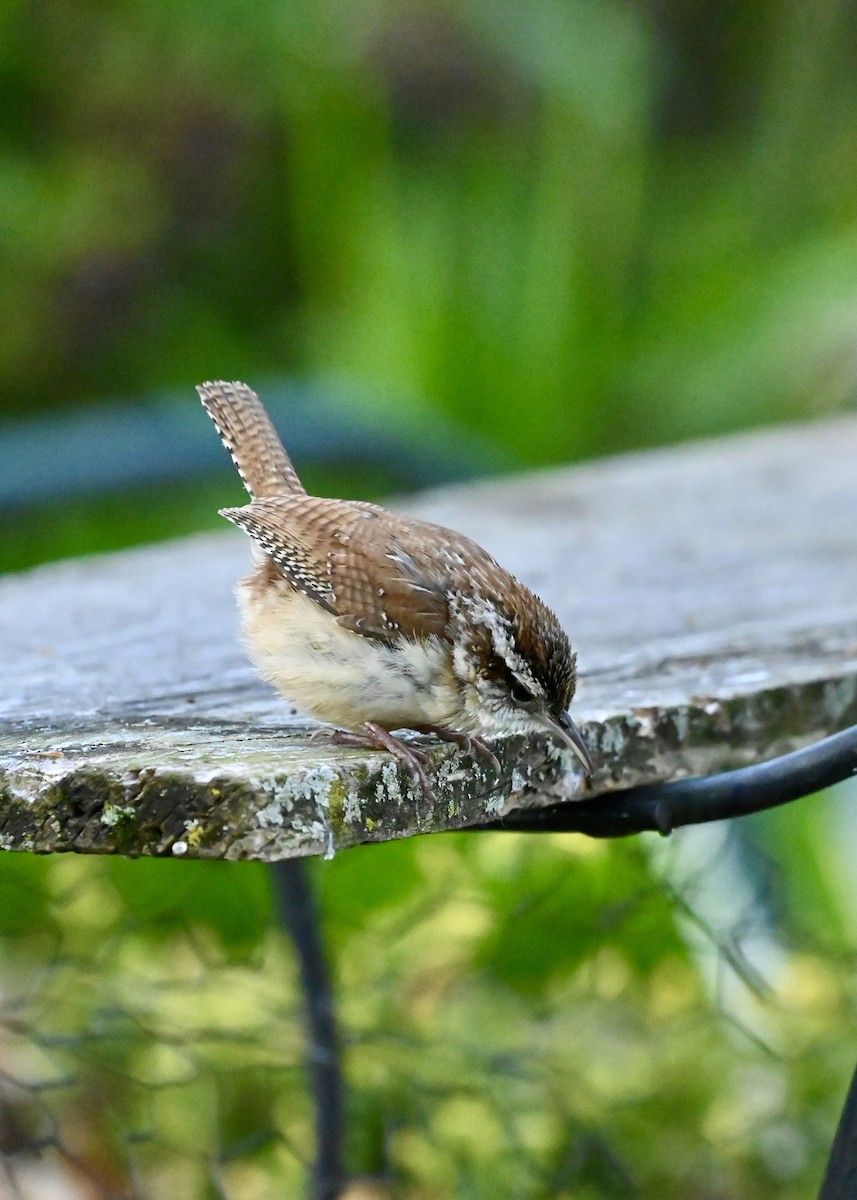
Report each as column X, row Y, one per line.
column 248, row 434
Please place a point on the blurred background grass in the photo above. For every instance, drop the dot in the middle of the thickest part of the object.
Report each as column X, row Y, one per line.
column 575, row 227
column 567, row 228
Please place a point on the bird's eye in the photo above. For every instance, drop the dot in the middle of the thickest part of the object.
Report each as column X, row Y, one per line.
column 522, row 694
column 500, row 670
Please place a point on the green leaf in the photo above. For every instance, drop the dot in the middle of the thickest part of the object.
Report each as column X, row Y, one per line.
column 232, row 899
column 355, row 884
column 24, row 892
column 555, row 911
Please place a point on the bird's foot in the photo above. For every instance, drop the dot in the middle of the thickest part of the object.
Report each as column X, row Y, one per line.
column 370, row 741
column 379, row 738
column 472, row 745
column 408, row 756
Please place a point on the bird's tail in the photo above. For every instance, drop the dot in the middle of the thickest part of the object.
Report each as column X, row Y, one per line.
column 248, row 434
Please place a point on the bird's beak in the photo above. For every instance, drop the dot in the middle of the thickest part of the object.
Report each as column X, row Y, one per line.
column 566, row 730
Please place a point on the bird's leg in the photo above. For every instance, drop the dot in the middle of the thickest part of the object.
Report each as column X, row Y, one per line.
column 344, row 737
column 379, row 738
column 471, row 744
column 410, row 757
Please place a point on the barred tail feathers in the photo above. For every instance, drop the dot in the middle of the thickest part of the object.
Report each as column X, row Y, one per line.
column 249, row 435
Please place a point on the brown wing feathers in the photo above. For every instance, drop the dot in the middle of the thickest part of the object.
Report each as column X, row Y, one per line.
column 275, row 523
column 344, row 557
column 379, row 591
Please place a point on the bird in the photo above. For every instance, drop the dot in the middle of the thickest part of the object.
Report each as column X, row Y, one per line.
column 374, row 622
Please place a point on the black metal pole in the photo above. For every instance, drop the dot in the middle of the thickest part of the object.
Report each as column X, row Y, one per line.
column 840, row 1178
column 662, row 807
column 298, row 913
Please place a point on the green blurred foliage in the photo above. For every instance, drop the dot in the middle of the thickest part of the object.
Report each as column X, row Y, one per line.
column 586, row 226
column 549, row 920
column 524, row 1017
column 576, row 226
column 581, row 226
column 232, row 900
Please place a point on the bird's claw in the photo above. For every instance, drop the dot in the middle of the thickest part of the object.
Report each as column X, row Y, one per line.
column 409, row 756
column 469, row 743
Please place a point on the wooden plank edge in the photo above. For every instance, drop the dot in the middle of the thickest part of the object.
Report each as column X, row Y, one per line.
column 334, row 799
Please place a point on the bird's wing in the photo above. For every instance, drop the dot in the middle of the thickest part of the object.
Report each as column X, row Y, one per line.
column 381, row 575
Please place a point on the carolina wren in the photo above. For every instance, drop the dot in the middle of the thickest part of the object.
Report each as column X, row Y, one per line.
column 375, row 622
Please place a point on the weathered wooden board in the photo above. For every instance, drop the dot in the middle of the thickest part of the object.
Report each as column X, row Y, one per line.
column 710, row 589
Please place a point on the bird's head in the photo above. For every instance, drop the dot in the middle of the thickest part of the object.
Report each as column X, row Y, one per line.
column 518, row 671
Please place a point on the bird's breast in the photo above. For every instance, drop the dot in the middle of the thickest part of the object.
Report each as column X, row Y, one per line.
column 340, row 676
